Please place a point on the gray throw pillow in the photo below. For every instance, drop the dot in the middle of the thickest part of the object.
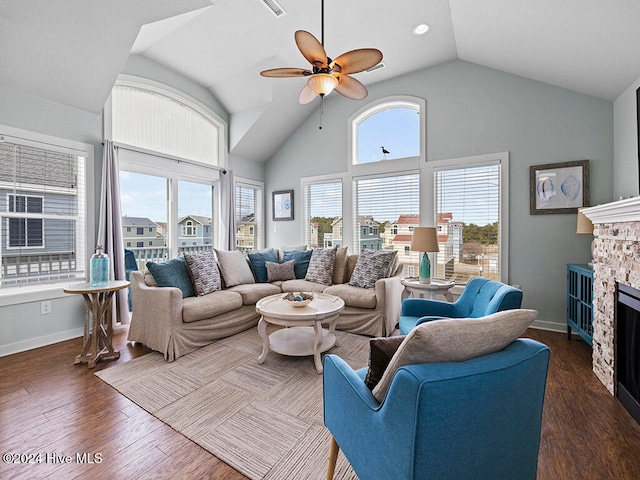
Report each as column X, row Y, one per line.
column 321, row 266
column 204, row 272
column 456, row 340
column 371, row 266
column 280, row 271
column 234, row 267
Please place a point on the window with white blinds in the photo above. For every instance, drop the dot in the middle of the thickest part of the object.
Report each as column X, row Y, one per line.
column 469, row 221
column 42, row 213
column 323, row 214
column 149, row 119
column 378, row 204
column 249, row 217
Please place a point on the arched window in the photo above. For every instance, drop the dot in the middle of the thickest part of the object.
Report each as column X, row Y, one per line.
column 388, row 130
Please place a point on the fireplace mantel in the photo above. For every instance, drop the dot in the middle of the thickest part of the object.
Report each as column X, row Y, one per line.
column 627, row 210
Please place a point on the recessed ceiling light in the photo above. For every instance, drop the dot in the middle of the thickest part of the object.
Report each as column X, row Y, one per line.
column 421, row 29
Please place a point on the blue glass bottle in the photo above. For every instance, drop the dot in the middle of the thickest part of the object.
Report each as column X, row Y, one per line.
column 99, row 268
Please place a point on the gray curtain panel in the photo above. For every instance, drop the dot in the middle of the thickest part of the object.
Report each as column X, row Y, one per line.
column 110, row 227
column 227, row 212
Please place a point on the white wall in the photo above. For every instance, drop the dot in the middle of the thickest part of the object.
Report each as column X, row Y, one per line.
column 473, row 110
column 625, row 146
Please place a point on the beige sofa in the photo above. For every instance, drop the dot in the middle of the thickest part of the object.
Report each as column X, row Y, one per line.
column 164, row 321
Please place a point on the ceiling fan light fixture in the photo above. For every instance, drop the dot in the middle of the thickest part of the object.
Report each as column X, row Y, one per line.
column 322, row 83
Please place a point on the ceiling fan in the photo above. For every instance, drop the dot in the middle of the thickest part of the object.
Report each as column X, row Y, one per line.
column 326, row 74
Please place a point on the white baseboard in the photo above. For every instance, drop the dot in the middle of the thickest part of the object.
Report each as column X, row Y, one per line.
column 551, row 326
column 32, row 343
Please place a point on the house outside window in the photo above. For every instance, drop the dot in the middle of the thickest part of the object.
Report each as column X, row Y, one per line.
column 25, row 232
column 42, row 210
column 249, row 215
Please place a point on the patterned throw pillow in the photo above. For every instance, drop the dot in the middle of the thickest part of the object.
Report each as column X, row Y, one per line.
column 372, row 265
column 321, row 266
column 204, row 272
column 280, row 271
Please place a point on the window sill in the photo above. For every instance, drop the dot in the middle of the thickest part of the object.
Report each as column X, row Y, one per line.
column 15, row 296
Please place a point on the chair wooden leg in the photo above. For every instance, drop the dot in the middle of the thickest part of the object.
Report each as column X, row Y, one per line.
column 333, row 457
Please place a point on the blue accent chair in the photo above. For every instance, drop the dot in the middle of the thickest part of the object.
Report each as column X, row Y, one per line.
column 480, row 297
column 478, row 419
column 130, row 264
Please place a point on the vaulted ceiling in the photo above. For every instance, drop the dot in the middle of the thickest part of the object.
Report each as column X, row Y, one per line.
column 71, row 51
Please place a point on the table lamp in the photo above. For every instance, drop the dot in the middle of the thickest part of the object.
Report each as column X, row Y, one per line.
column 585, row 226
column 425, row 239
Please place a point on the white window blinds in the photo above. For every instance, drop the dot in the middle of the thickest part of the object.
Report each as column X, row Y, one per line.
column 378, row 204
column 468, row 220
column 42, row 214
column 152, row 121
column 249, row 217
column 323, row 214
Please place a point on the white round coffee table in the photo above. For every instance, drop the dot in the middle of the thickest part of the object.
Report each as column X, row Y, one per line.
column 437, row 286
column 304, row 335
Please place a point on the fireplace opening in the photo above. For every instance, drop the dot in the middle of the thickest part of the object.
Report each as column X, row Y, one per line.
column 628, row 348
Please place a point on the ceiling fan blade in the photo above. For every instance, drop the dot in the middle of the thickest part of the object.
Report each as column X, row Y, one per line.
column 311, row 48
column 357, row 60
column 307, row 95
column 351, row 88
column 286, row 72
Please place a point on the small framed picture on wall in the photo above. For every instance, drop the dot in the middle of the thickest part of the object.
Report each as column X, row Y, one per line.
column 282, row 204
column 559, row 187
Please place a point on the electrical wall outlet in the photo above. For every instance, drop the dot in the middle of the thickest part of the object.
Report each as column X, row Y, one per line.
column 45, row 307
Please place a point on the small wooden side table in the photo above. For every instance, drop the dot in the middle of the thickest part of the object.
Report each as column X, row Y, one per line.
column 429, row 290
column 97, row 337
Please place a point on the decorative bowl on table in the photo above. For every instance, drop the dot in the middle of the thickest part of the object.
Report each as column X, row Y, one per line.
column 298, row 299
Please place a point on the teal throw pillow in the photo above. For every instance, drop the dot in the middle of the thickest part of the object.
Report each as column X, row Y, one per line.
column 257, row 261
column 173, row 273
column 300, row 261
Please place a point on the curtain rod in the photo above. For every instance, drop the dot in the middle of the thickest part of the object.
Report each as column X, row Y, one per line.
column 168, row 157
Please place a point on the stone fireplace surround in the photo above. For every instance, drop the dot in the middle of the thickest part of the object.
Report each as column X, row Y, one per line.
column 616, row 258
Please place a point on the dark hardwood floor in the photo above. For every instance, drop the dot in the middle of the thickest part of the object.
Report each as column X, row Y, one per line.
column 52, row 407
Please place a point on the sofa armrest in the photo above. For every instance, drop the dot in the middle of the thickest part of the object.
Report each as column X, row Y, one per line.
column 156, row 312
column 389, row 299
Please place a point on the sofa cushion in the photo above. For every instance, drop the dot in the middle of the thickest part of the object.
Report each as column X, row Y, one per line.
column 301, row 261
column 210, row 305
column 381, row 351
column 371, row 266
column 204, row 272
column 354, row 296
column 456, row 340
column 293, row 248
column 280, row 271
column 340, row 266
column 251, row 293
column 173, row 273
column 302, row 286
column 257, row 261
column 321, row 266
column 234, row 267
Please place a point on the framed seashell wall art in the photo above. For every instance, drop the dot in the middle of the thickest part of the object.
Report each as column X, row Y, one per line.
column 559, row 187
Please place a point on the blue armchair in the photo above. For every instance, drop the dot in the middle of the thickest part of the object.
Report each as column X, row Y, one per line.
column 480, row 297
column 479, row 419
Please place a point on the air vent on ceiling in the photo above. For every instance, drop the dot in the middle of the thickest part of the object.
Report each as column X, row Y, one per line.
column 376, row 67
column 275, row 7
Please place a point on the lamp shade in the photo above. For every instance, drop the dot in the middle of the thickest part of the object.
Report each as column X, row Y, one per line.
column 584, row 224
column 425, row 239
column 322, row 83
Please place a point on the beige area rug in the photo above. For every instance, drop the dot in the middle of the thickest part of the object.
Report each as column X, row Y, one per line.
column 266, row 421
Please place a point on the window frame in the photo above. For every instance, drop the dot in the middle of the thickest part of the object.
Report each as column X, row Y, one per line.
column 10, row 295
column 428, row 202
column 386, row 103
column 259, row 216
